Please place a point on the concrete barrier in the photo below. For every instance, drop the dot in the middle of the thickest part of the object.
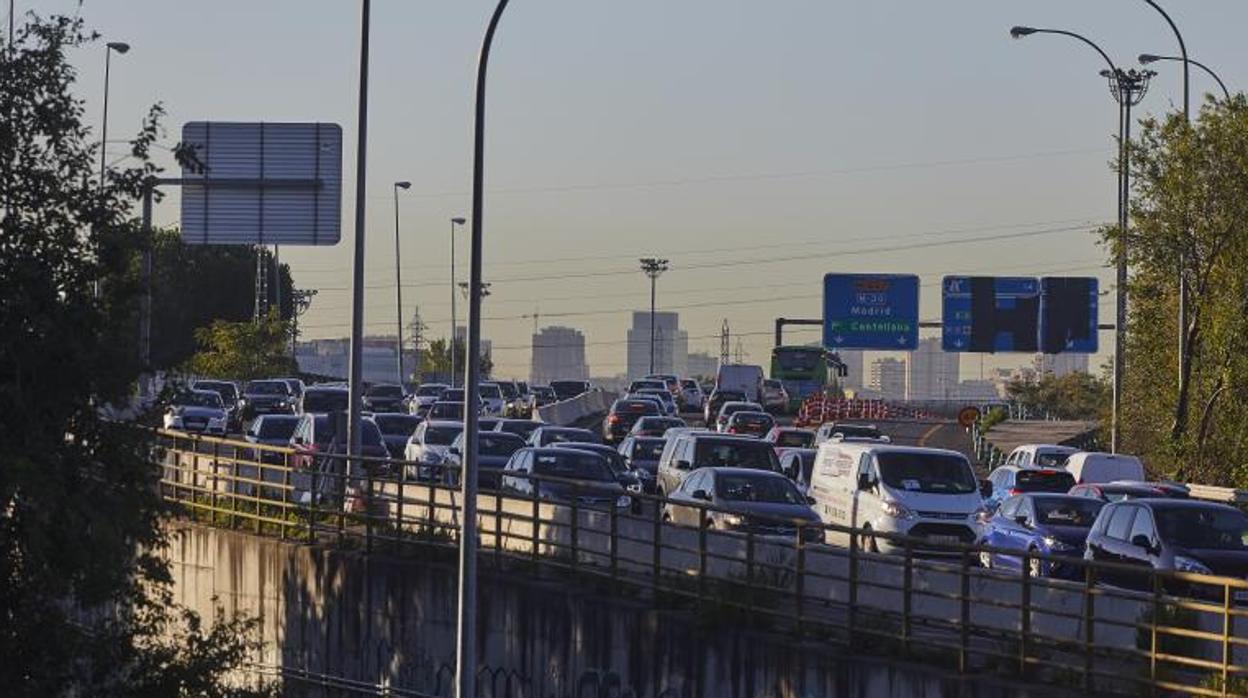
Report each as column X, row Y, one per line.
column 567, row 412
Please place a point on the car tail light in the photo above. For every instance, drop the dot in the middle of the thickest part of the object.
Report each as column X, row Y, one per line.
column 613, row 419
column 732, row 430
column 1014, row 491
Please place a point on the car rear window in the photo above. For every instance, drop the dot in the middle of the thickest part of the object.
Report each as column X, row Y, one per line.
column 735, row 453
column 521, row 429
column 753, row 420
column 267, row 388
column 1043, row 481
column 277, row 428
column 795, row 439
column 648, row 450
column 855, row 431
column 324, row 400
column 498, row 444
column 385, row 391
column 638, row 406
column 573, row 465
column 568, row 435
column 1073, row 511
column 441, row 436
column 430, row 390
column 1052, row 460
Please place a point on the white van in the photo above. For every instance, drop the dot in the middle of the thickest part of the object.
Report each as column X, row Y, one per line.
column 922, row 492
column 1089, row 467
column 747, row 378
column 1040, row 455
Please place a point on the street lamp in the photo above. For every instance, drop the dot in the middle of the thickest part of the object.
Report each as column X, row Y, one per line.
column 1127, row 88
column 653, row 268
column 454, row 319
column 1146, row 58
column 121, row 48
column 398, row 282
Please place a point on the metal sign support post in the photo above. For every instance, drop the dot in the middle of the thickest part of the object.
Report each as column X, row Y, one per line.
column 357, row 274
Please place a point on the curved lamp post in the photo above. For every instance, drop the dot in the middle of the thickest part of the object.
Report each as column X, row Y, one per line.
column 457, row 220
column 121, row 48
column 1146, row 58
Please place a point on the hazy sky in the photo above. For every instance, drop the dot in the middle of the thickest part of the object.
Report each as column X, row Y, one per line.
column 757, row 144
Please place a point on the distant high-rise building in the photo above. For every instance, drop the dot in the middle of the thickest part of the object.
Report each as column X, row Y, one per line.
column 933, row 373
column 461, row 335
column 888, row 378
column 701, row 363
column 558, row 354
column 1061, row 364
column 671, row 345
column 854, row 361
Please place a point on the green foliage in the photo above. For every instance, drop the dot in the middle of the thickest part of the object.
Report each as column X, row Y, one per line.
column 84, row 599
column 1076, row 395
column 1190, row 209
column 244, row 350
column 435, row 359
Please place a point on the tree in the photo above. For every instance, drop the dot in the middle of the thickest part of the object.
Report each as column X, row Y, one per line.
column 1190, row 209
column 244, row 350
column 85, row 607
column 1077, row 396
column 435, row 359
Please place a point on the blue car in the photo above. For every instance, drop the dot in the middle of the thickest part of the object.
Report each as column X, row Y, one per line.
column 1049, row 524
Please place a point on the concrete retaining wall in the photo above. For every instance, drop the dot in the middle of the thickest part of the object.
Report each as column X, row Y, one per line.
column 567, row 412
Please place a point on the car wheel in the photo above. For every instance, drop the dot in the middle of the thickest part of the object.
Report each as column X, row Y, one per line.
column 985, row 559
column 1035, row 566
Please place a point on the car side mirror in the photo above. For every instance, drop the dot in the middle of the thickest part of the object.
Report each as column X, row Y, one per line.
column 701, row 494
column 985, row 488
column 683, row 465
column 1142, row 541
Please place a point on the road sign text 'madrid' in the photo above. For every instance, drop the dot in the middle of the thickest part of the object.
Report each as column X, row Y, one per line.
column 871, row 311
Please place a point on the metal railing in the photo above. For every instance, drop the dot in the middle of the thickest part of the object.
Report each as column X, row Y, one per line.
column 929, row 602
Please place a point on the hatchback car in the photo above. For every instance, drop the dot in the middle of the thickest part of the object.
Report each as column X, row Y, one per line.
column 656, row 426
column 1010, row 480
column 547, row 435
column 494, row 449
column 747, row 423
column 688, row 452
column 730, row 408
column 564, row 476
column 429, row 448
column 691, row 396
column 632, row 480
column 744, row 501
column 1183, row 535
column 624, row 414
column 1047, row 524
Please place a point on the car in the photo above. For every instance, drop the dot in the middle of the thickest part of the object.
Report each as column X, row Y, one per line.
column 296, row 386
column 1087, row 467
column 1041, row 455
column 543, row 395
column 1010, row 480
column 383, row 397
column 566, row 390
column 1043, row 523
column 267, row 397
column 1182, row 535
column 457, row 395
column 428, row 449
column 546, row 435
column 924, row 493
column 230, row 397
column 271, row 430
column 492, row 399
column 691, row 396
column 848, row 430
column 648, row 397
column 396, row 428
column 729, row 408
column 748, row 423
column 746, row 378
column 665, row 398
column 446, row 411
column 774, row 398
column 654, row 425
column 516, row 403
column 648, row 384
column 743, row 500
column 642, row 453
column 632, row 480
column 424, row 396
column 199, row 411
column 323, row 399
column 717, row 400
column 1118, row 491
column 519, row 427
column 784, row 438
column 688, row 452
column 316, row 436
column 670, row 381
column 625, row 413
column 798, row 464
column 564, row 476
column 494, row 449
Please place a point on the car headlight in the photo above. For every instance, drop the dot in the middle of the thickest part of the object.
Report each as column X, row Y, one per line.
column 733, row 520
column 983, row 514
column 634, row 487
column 1182, row 563
column 624, row 502
column 1055, row 544
column 896, row 510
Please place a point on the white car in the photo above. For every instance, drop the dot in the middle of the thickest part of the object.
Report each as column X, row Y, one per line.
column 199, row 411
column 691, row 395
column 426, row 394
column 492, row 397
column 1041, row 455
column 429, row 448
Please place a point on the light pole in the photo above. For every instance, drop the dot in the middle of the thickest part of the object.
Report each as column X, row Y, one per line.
column 653, row 267
column 1127, row 88
column 466, row 637
column 398, row 283
column 1146, row 58
column 356, row 367
column 122, row 48
column 454, row 318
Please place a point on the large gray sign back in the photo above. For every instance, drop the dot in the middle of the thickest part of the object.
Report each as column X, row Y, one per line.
column 262, row 184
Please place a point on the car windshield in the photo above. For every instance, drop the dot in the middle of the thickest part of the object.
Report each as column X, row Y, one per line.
column 573, row 465
column 385, row 391
column 855, row 431
column 441, row 435
column 935, row 473
column 795, row 439
column 752, row 488
column 734, row 453
column 1043, row 481
column 324, row 400
column 639, row 386
column 648, row 449
column 200, row 398
column 277, row 429
column 397, row 423
column 498, row 444
column 429, row 391
column 267, row 388
column 1203, row 528
column 227, row 391
column 490, row 391
column 1052, row 460
column 1073, row 511
column 519, row 428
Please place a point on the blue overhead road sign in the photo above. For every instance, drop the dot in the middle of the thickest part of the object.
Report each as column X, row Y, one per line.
column 1068, row 315
column 990, row 314
column 871, row 311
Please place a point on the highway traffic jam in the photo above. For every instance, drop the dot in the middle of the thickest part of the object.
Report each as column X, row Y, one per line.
column 747, row 471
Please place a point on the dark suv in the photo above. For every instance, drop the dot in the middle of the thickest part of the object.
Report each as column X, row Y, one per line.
column 685, row 453
column 384, row 397
column 623, row 415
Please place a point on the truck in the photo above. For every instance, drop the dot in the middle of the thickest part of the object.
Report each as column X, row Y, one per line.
column 748, row 378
